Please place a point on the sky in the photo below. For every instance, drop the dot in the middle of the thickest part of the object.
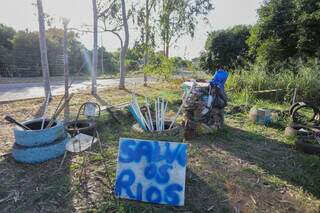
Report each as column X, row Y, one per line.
column 22, row 14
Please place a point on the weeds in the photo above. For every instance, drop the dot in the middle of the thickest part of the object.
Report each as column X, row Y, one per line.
column 305, row 77
column 245, row 166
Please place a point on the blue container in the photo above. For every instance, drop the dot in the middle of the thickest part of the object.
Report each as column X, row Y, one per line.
column 219, row 78
column 38, row 137
column 33, row 155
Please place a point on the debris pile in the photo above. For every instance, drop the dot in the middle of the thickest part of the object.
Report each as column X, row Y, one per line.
column 204, row 107
column 304, row 127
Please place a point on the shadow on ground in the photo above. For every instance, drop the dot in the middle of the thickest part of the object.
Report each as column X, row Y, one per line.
column 270, row 157
column 230, row 171
column 34, row 188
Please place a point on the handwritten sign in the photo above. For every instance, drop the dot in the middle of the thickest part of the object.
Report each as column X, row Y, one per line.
column 151, row 171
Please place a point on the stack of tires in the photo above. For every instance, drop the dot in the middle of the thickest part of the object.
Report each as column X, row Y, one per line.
column 307, row 133
column 39, row 145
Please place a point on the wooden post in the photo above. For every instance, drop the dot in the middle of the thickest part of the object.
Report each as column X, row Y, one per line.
column 43, row 50
column 294, row 95
column 95, row 50
column 66, row 68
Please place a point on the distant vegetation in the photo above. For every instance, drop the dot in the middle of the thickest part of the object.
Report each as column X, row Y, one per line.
column 20, row 55
column 281, row 51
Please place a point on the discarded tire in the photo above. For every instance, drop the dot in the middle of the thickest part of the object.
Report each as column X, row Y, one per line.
column 307, row 147
column 298, row 130
column 36, row 136
column 294, row 105
column 295, row 113
column 33, row 155
column 83, row 126
column 175, row 130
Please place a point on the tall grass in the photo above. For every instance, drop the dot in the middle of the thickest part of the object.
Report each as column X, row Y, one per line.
column 304, row 76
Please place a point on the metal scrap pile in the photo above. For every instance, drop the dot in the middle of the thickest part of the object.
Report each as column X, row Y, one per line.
column 305, row 127
column 204, row 108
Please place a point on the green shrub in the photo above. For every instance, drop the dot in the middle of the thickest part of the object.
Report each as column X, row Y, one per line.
column 303, row 76
column 160, row 66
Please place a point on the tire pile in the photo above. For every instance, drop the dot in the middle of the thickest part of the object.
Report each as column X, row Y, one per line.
column 39, row 145
column 307, row 131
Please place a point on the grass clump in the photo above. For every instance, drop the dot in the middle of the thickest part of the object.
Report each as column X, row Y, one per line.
column 304, row 76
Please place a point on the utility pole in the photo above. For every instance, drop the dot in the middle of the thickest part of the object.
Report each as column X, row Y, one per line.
column 43, row 51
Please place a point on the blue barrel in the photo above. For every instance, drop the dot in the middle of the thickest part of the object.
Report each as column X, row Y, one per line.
column 33, row 155
column 38, row 137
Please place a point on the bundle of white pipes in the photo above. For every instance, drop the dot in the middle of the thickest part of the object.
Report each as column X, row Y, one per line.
column 160, row 106
column 145, row 121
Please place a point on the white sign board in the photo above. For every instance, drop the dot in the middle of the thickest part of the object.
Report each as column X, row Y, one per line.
column 151, row 171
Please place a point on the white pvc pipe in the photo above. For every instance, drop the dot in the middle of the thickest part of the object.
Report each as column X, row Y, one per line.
column 156, row 114
column 162, row 115
column 45, row 111
column 149, row 114
column 180, row 108
column 138, row 111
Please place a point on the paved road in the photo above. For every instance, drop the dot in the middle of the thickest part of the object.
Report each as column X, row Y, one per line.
column 18, row 91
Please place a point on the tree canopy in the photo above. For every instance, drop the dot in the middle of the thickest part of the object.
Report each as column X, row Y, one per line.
column 227, row 48
column 286, row 29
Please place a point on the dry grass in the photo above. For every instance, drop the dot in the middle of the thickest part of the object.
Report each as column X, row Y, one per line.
column 243, row 168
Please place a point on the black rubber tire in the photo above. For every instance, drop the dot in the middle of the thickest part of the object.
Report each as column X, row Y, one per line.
column 302, row 145
column 293, row 106
column 296, row 109
column 84, row 126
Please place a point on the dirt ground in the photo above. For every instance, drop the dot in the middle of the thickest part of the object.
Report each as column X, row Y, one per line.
column 242, row 168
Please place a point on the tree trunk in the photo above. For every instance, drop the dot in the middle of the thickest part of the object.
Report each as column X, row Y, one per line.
column 167, row 49
column 43, row 50
column 66, row 69
column 95, row 49
column 167, row 41
column 124, row 49
column 146, row 48
column 102, row 65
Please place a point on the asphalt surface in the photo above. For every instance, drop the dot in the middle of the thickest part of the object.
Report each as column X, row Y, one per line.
column 20, row 91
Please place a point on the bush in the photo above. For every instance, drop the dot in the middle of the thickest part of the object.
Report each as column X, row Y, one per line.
column 305, row 77
column 160, row 66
